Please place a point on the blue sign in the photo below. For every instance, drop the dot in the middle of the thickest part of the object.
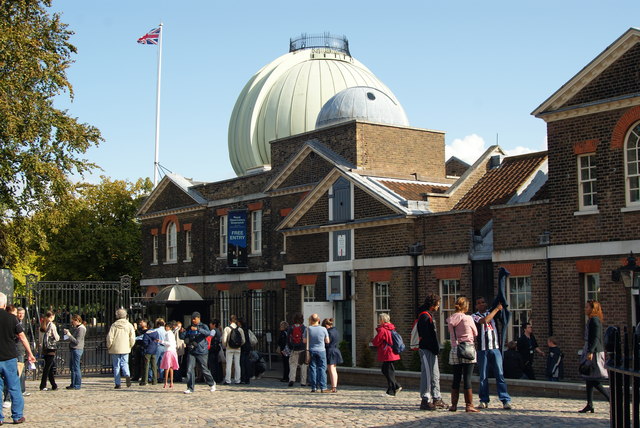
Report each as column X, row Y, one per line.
column 237, row 239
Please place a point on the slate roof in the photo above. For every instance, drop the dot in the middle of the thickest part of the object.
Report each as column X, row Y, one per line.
column 412, row 190
column 499, row 185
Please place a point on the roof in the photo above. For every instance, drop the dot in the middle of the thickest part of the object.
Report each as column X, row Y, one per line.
column 185, row 184
column 517, row 179
column 412, row 190
column 590, row 72
column 285, row 97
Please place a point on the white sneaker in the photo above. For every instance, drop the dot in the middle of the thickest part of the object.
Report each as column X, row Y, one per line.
column 188, row 391
column 507, row 405
column 26, row 394
column 6, row 405
column 213, row 388
column 484, row 405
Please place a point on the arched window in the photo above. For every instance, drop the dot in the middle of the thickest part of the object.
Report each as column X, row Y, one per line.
column 632, row 165
column 172, row 244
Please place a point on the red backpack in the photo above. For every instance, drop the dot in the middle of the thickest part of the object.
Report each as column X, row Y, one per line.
column 296, row 335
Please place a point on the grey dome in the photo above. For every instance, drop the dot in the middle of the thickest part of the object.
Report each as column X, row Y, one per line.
column 362, row 102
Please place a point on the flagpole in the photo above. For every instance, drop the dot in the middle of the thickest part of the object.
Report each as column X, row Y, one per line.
column 155, row 163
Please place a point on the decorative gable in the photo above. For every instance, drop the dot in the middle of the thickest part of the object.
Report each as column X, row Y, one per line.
column 170, row 197
column 311, row 169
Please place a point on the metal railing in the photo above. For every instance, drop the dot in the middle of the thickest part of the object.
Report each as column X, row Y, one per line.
column 320, row 41
column 623, row 366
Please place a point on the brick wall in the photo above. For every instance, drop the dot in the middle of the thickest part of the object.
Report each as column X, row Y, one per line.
column 365, row 206
column 519, row 226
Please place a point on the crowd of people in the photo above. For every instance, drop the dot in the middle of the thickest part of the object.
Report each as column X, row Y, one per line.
column 171, row 352
column 475, row 340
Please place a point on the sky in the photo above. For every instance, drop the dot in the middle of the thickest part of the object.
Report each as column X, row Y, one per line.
column 475, row 70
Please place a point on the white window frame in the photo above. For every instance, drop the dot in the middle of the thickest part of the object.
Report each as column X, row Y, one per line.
column 187, row 246
column 256, row 232
column 587, row 177
column 381, row 299
column 592, row 289
column 447, row 304
column 223, row 235
column 308, row 293
column 156, row 247
column 632, row 161
column 172, row 243
column 523, row 282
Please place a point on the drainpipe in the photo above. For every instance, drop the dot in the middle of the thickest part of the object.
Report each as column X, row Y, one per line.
column 545, row 240
column 415, row 250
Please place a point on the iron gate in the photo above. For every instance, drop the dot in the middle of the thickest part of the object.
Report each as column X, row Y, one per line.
column 258, row 309
column 95, row 301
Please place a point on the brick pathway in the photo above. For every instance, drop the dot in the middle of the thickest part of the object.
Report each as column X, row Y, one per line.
column 268, row 402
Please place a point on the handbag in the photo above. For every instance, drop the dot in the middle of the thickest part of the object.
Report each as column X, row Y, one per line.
column 305, row 357
column 465, row 350
column 586, row 368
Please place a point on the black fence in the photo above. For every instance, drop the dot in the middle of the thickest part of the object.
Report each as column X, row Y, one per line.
column 325, row 41
column 624, row 377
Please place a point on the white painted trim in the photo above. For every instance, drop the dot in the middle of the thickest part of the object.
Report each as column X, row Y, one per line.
column 630, row 208
column 207, row 279
column 534, row 253
column 586, row 211
column 570, row 251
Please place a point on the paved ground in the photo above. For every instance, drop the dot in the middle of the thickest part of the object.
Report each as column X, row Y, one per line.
column 267, row 402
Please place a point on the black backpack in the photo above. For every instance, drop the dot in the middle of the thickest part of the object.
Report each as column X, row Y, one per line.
column 235, row 338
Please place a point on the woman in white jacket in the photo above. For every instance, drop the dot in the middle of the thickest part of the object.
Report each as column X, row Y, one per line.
column 169, row 361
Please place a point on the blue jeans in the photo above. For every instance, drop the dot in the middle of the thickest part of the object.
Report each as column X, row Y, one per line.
column 74, row 366
column 318, row 370
column 9, row 376
column 120, row 361
column 493, row 357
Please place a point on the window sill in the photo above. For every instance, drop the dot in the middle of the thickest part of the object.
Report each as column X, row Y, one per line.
column 154, row 264
column 186, row 261
column 170, row 262
column 587, row 211
column 630, row 208
column 255, row 255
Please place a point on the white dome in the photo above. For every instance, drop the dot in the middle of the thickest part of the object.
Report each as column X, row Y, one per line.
column 362, row 102
column 285, row 97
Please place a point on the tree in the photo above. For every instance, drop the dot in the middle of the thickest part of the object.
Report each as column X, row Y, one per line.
column 96, row 236
column 39, row 144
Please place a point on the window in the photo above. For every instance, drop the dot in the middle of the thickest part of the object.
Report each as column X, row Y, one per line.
column 187, row 246
column 257, row 306
column 591, row 286
column 172, row 248
column 519, row 299
column 256, row 232
column 223, row 236
column 380, row 300
column 224, row 307
column 587, row 181
column 155, row 250
column 449, row 292
column 308, row 293
column 340, row 197
column 632, row 162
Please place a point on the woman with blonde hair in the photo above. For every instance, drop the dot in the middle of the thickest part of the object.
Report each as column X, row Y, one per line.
column 48, row 339
column 593, row 353
column 462, row 330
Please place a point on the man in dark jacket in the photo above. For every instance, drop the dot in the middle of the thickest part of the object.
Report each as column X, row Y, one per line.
column 429, row 350
column 198, row 348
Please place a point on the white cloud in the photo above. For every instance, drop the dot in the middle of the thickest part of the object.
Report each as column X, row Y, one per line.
column 472, row 146
column 467, row 149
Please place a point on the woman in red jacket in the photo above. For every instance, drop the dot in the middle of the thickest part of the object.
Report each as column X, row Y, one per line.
column 383, row 341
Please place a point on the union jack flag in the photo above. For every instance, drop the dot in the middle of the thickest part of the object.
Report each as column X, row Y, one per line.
column 151, row 38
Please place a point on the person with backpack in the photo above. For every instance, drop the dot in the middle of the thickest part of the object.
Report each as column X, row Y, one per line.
column 429, row 348
column 232, row 339
column 48, row 339
column 384, row 341
column 296, row 334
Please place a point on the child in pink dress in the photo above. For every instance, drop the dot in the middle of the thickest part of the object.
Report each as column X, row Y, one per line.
column 170, row 358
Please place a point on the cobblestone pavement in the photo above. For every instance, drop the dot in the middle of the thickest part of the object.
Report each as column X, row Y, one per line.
column 268, row 402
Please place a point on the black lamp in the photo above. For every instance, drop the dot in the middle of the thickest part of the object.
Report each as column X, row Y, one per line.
column 628, row 274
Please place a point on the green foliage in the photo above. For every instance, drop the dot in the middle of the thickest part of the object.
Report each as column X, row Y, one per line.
column 445, row 367
column 345, row 350
column 39, row 144
column 366, row 356
column 96, row 235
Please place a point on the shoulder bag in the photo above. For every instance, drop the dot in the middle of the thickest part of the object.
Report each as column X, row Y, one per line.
column 305, row 357
column 465, row 350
